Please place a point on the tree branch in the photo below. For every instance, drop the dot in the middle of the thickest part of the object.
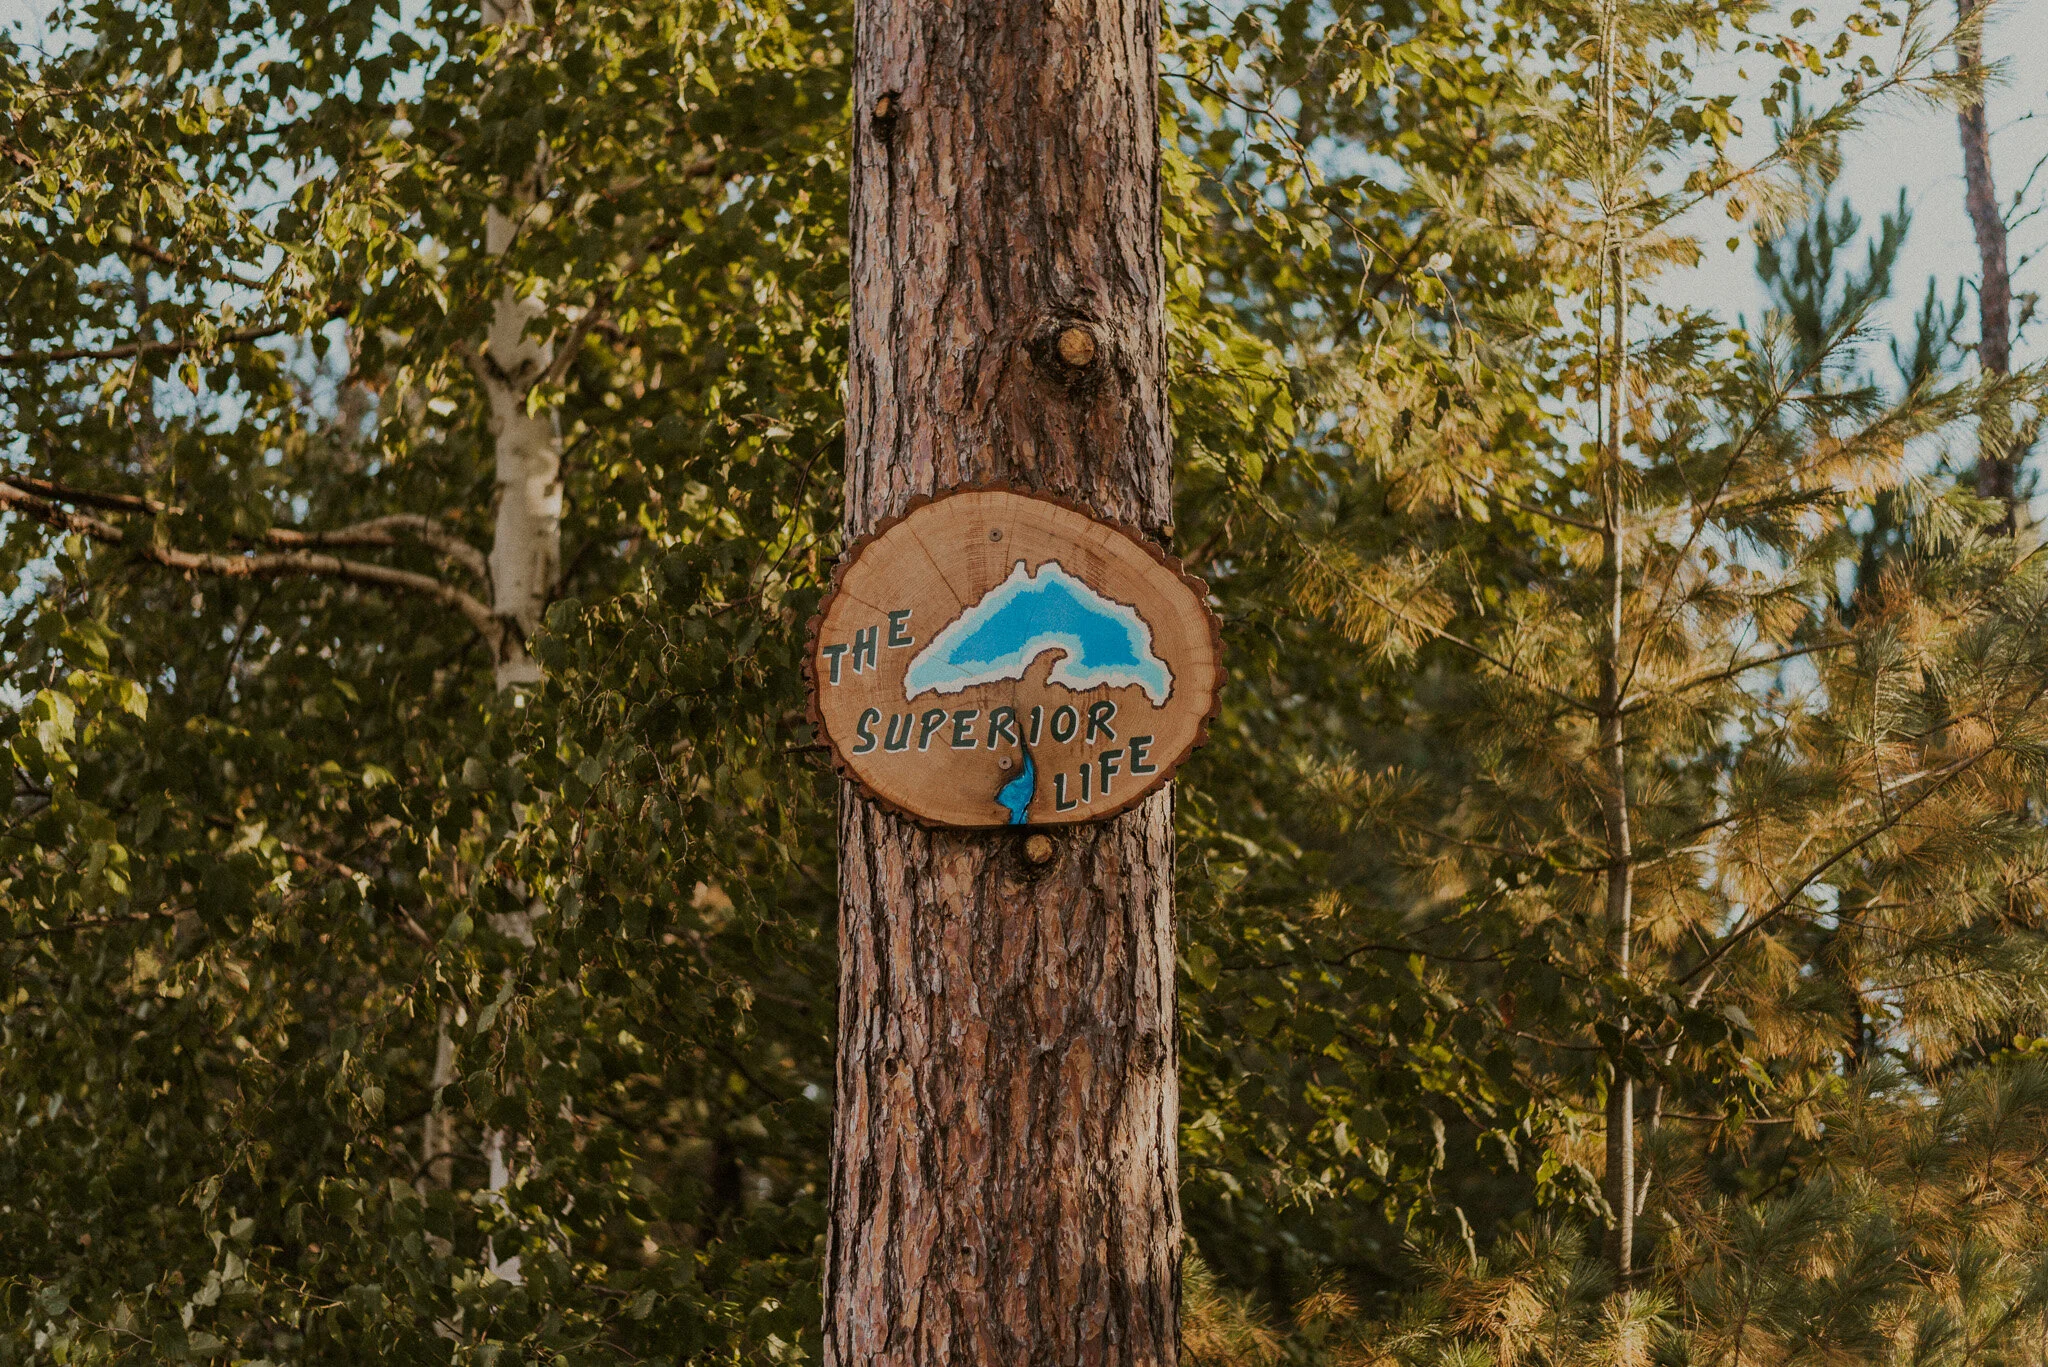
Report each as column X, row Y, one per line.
column 87, row 498
column 565, row 355
column 91, row 923
column 1533, row 509
column 22, row 360
column 1739, row 667
column 377, row 531
column 268, row 565
column 1818, row 871
column 157, row 254
column 387, row 531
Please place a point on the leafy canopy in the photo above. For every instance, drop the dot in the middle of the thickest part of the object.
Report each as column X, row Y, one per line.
column 288, row 884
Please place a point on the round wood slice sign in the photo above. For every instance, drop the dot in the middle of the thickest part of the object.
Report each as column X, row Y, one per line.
column 996, row 658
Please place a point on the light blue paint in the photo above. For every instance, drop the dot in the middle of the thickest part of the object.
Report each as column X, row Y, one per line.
column 1016, row 794
column 1100, row 643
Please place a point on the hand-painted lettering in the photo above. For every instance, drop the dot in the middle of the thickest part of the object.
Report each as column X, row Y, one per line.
column 1029, row 656
column 1002, row 725
column 864, row 646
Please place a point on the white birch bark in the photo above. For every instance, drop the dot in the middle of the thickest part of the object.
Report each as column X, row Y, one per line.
column 526, row 544
column 525, row 561
column 437, row 1140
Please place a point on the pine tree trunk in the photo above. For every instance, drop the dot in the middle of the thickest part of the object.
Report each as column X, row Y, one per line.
column 1620, row 1181
column 1004, row 1176
column 1997, row 473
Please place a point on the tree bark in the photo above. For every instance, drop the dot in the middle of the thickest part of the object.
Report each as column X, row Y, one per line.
column 1622, row 1195
column 1004, row 1176
column 524, row 564
column 1997, row 468
column 526, row 541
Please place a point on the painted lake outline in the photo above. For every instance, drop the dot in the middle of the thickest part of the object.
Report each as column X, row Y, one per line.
column 1101, row 643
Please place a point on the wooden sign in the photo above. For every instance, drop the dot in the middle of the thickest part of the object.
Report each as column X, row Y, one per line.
column 996, row 658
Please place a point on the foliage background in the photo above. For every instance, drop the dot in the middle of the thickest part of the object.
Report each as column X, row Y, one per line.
column 273, row 836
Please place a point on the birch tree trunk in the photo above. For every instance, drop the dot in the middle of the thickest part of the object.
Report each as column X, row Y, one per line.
column 525, row 561
column 1004, row 1177
column 526, row 534
column 526, row 541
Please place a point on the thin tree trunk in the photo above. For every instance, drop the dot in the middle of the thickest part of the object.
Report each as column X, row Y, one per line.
column 1997, row 463
column 526, row 544
column 525, row 562
column 1004, row 1175
column 1622, row 1197
column 437, row 1139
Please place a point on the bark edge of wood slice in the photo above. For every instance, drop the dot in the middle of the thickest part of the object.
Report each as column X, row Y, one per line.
column 995, row 656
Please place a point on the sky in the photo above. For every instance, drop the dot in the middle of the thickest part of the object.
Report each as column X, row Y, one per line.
column 1914, row 148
